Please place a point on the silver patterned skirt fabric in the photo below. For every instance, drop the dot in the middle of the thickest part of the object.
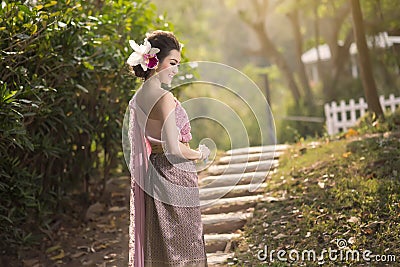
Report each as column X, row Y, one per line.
column 173, row 234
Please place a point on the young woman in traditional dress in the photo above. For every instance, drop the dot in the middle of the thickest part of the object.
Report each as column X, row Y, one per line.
column 166, row 227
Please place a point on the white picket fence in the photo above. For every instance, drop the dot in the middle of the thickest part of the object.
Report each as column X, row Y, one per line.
column 343, row 116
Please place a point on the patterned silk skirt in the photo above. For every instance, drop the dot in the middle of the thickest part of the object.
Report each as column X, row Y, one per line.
column 173, row 233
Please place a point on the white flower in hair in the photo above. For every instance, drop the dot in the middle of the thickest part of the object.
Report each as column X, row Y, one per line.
column 143, row 54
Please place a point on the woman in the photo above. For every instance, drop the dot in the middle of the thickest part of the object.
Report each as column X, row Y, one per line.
column 166, row 228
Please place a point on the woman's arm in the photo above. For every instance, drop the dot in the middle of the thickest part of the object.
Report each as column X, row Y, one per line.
column 165, row 107
column 189, row 153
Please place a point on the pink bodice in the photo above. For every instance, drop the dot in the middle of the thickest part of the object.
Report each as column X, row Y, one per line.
column 182, row 123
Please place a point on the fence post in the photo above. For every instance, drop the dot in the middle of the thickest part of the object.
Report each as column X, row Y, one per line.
column 328, row 119
column 392, row 103
column 334, row 118
column 353, row 117
column 362, row 106
column 343, row 115
column 382, row 102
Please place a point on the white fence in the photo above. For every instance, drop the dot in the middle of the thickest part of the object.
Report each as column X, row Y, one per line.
column 343, row 116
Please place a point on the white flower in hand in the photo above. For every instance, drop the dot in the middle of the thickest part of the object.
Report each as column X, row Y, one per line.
column 205, row 152
column 144, row 55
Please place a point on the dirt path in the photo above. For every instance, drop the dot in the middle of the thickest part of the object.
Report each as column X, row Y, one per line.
column 101, row 241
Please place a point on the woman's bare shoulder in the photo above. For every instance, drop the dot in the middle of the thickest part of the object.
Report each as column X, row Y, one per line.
column 150, row 92
column 166, row 96
column 155, row 99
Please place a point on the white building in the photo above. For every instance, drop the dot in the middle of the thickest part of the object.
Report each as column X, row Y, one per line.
column 310, row 57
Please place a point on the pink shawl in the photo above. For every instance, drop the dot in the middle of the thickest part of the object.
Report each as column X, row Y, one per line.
column 140, row 151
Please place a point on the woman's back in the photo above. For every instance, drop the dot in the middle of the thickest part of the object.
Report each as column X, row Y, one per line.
column 148, row 101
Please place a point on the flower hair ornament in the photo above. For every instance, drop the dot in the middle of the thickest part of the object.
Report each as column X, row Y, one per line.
column 144, row 54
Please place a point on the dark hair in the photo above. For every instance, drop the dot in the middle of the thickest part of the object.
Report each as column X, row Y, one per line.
column 163, row 40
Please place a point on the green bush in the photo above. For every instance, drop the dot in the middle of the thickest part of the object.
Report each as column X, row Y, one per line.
column 369, row 123
column 293, row 131
column 64, row 88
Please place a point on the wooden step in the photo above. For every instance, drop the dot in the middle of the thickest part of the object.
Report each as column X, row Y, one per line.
column 249, row 157
column 218, row 242
column 231, row 179
column 224, row 222
column 218, row 258
column 257, row 149
column 256, row 166
column 229, row 191
column 225, row 205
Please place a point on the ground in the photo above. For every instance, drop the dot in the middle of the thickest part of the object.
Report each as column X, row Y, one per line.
column 97, row 238
column 341, row 194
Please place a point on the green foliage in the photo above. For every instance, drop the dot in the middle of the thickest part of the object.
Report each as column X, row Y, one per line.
column 294, row 130
column 371, row 124
column 64, row 88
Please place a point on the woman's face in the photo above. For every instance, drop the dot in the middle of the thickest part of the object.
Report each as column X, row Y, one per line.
column 169, row 67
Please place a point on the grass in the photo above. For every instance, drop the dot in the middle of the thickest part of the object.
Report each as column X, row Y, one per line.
column 341, row 193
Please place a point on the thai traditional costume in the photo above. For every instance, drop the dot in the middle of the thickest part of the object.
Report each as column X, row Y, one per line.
column 165, row 219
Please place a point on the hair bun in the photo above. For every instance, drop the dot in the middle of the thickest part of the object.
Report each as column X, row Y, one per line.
column 139, row 72
column 163, row 40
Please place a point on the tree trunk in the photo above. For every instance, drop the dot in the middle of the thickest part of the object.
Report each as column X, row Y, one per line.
column 271, row 52
column 339, row 54
column 317, row 40
column 387, row 77
column 267, row 89
column 340, row 60
column 366, row 74
column 298, row 37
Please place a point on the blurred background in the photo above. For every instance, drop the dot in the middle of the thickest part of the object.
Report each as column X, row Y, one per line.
column 275, row 43
column 64, row 84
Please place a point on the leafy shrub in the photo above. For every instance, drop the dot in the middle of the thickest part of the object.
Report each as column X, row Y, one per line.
column 64, row 88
